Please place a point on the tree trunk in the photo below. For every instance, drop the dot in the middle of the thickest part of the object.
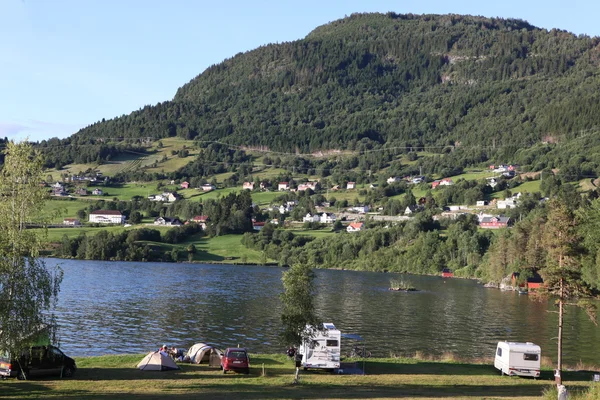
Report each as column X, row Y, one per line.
column 558, row 376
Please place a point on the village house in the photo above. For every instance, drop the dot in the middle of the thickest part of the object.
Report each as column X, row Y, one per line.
column 58, row 191
column 283, row 186
column 200, row 220
column 481, row 203
column 442, row 182
column 360, row 209
column 207, row 187
column 106, row 217
column 328, row 218
column 393, row 179
column 184, row 185
column 166, row 221
column 411, row 209
column 71, row 222
column 81, row 191
column 311, row 218
column 248, row 186
column 495, row 222
column 97, row 192
column 257, row 226
column 308, row 185
column 350, row 185
column 264, row 185
column 510, row 202
column 355, row 227
column 492, row 182
column 417, row 179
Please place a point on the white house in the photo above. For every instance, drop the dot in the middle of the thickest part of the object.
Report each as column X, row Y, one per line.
column 350, row 185
column 507, row 203
column 308, row 185
column 361, row 209
column 328, row 218
column 207, row 187
column 393, row 179
column 97, row 192
column 248, row 186
column 411, row 209
column 481, row 203
column 107, row 217
column 311, row 218
column 167, row 221
column 71, row 222
column 355, row 227
column 283, row 186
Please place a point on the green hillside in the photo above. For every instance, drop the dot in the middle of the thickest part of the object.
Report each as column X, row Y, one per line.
column 484, row 89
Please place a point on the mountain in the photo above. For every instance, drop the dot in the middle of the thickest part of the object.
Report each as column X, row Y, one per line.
column 439, row 82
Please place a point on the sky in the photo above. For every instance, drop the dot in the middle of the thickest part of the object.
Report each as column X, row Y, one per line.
column 65, row 64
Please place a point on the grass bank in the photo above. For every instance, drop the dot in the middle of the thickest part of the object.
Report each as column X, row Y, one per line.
column 116, row 377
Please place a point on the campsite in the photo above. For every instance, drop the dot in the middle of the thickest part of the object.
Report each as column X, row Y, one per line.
column 116, row 377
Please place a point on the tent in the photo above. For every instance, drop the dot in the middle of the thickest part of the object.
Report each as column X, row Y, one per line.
column 156, row 361
column 201, row 352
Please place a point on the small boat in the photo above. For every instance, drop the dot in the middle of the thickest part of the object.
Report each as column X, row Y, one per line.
column 522, row 291
column 490, row 285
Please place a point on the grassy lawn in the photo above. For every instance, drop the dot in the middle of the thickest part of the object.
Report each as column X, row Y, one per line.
column 227, row 249
column 471, row 175
column 56, row 234
column 57, row 210
column 116, row 377
column 318, row 234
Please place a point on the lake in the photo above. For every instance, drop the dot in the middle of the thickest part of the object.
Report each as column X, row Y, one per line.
column 135, row 307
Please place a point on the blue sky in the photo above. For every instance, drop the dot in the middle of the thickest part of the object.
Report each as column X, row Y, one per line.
column 66, row 64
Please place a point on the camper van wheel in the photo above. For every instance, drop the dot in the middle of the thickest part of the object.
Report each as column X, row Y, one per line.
column 306, row 368
column 247, row 371
column 224, row 371
column 21, row 376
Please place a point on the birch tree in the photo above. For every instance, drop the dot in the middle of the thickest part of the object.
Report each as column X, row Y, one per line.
column 28, row 289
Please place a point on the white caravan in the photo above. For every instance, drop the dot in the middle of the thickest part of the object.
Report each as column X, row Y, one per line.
column 523, row 359
column 323, row 349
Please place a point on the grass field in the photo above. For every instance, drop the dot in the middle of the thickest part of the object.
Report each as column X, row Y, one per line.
column 227, row 248
column 116, row 377
column 57, row 210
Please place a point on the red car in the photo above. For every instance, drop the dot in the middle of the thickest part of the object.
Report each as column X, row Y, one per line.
column 235, row 359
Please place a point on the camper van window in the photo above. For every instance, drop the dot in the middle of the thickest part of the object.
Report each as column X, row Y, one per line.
column 530, row 357
column 332, row 343
column 499, row 352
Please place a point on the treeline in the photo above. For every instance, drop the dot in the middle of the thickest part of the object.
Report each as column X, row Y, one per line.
column 133, row 245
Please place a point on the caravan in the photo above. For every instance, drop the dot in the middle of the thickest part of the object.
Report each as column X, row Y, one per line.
column 523, row 359
column 323, row 349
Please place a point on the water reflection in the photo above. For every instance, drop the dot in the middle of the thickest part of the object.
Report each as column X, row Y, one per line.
column 121, row 307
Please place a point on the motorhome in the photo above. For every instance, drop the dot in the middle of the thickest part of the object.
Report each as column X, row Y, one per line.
column 523, row 359
column 322, row 350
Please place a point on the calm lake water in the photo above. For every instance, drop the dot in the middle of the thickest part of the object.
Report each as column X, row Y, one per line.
column 134, row 307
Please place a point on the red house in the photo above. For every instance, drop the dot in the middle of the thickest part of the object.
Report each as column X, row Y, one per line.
column 185, row 185
column 494, row 222
column 446, row 273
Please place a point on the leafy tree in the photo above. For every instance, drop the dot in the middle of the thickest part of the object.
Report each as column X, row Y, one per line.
column 28, row 289
column 562, row 272
column 135, row 217
column 298, row 304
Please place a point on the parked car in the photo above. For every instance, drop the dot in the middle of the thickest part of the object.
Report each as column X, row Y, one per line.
column 38, row 361
column 235, row 359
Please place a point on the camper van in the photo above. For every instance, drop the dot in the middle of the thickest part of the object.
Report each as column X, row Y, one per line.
column 323, row 349
column 523, row 359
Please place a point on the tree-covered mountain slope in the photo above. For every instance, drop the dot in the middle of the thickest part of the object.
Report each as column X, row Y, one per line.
column 390, row 80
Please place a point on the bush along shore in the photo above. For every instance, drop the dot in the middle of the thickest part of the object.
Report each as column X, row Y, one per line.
column 271, row 376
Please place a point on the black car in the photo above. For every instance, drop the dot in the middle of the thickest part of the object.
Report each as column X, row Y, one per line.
column 38, row 361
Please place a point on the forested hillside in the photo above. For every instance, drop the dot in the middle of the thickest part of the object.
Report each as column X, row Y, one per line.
column 440, row 82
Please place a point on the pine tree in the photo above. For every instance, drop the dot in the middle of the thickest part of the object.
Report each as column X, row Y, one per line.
column 562, row 272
